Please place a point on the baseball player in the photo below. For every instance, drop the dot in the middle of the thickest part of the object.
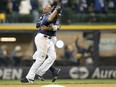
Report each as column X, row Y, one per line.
column 54, row 71
column 44, row 42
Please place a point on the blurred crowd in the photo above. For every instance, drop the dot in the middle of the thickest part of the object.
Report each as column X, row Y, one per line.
column 34, row 7
column 97, row 6
column 79, row 52
column 10, row 59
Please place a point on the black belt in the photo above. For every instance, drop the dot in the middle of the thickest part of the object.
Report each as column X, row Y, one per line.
column 46, row 36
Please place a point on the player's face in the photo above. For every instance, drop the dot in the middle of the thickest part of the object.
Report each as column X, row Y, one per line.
column 47, row 9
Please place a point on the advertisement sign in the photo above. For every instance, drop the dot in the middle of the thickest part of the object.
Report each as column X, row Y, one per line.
column 108, row 44
column 10, row 73
column 66, row 73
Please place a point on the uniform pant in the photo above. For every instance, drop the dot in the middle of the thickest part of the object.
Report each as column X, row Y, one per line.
column 45, row 46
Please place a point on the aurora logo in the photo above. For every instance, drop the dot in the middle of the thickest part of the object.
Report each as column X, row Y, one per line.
column 103, row 74
column 79, row 72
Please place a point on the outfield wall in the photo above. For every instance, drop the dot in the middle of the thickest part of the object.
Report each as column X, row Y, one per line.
column 66, row 73
column 31, row 26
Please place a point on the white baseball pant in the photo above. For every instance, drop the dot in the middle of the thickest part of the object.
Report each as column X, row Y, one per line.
column 50, row 60
column 45, row 46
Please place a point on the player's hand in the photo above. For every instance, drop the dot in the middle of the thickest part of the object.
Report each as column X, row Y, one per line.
column 59, row 7
column 55, row 27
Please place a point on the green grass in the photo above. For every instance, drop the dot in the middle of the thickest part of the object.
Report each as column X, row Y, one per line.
column 66, row 81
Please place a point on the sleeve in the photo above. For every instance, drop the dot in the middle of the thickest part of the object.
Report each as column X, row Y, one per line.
column 45, row 20
column 39, row 22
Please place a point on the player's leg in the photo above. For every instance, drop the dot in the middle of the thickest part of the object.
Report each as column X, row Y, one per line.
column 39, row 56
column 49, row 61
column 55, row 73
column 34, row 67
column 48, row 64
column 53, row 70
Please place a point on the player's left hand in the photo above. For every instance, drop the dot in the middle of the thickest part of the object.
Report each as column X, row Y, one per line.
column 59, row 7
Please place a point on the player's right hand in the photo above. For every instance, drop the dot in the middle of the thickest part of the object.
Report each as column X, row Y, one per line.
column 55, row 27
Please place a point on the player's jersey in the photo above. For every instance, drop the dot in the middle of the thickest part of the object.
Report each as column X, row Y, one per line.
column 44, row 21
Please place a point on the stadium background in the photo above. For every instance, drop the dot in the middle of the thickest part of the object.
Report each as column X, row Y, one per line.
column 86, row 46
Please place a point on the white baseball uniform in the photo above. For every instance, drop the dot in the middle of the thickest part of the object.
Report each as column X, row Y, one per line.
column 44, row 42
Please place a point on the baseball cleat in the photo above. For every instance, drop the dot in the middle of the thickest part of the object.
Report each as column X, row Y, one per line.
column 40, row 78
column 25, row 80
column 55, row 74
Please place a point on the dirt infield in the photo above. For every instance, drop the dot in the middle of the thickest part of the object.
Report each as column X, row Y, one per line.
column 65, row 85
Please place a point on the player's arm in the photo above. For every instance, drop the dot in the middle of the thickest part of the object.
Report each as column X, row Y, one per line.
column 46, row 28
column 51, row 28
column 43, row 27
column 54, row 13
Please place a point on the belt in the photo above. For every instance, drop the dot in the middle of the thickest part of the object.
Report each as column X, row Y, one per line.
column 46, row 36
